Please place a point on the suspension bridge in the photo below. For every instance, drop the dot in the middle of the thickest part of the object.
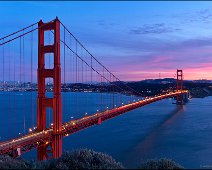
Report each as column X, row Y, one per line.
column 52, row 86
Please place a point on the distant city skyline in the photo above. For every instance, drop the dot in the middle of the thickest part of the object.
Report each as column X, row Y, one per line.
column 134, row 40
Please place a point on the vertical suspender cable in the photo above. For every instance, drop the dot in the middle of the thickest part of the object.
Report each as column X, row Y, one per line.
column 10, row 117
column 91, row 80
column 71, row 74
column 86, row 86
column 14, row 91
column 49, row 110
column 83, row 104
column 102, row 87
column 64, row 79
column 108, row 92
column 20, row 85
column 76, row 83
column 3, row 76
column 113, row 93
column 31, row 81
column 24, row 86
column 3, row 65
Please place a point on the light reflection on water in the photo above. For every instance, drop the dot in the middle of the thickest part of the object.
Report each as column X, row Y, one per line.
column 158, row 130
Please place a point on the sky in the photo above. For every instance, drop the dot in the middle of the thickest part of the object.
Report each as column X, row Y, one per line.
column 134, row 40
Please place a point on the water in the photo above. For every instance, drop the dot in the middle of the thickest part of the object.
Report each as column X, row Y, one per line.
column 158, row 130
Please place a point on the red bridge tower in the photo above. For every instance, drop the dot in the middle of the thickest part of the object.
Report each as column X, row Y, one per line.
column 179, row 99
column 42, row 100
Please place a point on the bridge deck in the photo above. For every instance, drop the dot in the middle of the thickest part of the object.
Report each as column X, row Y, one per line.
column 35, row 139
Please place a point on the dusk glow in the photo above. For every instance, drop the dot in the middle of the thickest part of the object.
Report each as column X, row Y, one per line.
column 135, row 40
column 129, row 82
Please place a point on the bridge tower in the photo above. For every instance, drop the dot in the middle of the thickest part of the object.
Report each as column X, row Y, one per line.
column 42, row 101
column 179, row 99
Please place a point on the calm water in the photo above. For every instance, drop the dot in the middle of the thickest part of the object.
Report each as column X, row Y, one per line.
column 161, row 129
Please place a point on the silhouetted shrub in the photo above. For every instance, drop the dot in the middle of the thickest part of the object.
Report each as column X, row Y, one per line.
column 162, row 163
column 78, row 159
column 87, row 159
column 7, row 162
column 82, row 159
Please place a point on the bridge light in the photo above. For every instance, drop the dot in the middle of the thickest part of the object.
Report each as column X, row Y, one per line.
column 19, row 133
column 122, row 103
column 72, row 117
column 86, row 113
column 30, row 130
column 51, row 124
column 97, row 110
column 47, row 143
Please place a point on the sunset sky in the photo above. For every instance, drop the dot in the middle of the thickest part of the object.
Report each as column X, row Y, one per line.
column 135, row 40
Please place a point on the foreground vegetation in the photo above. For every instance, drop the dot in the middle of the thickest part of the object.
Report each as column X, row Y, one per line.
column 82, row 159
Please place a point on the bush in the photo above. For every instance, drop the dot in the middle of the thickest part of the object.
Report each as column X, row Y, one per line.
column 162, row 163
column 7, row 162
column 82, row 159
column 86, row 159
column 78, row 159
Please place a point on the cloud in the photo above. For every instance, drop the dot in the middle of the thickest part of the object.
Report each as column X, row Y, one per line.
column 105, row 25
column 160, row 28
column 196, row 16
column 203, row 15
column 101, row 22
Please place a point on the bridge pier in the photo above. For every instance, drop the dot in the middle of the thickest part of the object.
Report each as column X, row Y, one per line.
column 42, row 152
column 181, row 99
column 185, row 97
column 99, row 121
column 19, row 151
column 57, row 146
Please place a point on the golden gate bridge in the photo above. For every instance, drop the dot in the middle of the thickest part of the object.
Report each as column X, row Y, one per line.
column 42, row 73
